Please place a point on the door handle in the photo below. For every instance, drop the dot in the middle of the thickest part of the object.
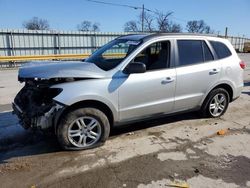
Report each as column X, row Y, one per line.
column 214, row 71
column 167, row 80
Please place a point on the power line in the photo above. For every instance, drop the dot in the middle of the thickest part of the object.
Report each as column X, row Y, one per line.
column 122, row 5
column 114, row 4
column 127, row 6
column 135, row 8
column 132, row 7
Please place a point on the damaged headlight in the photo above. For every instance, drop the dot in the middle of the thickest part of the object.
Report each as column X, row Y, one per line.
column 35, row 100
column 50, row 93
column 35, row 107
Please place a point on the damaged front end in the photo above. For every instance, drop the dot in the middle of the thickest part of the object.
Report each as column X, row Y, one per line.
column 34, row 104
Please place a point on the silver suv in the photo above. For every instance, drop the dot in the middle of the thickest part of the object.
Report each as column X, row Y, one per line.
column 131, row 78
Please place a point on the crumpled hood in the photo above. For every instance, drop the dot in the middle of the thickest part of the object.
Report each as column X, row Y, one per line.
column 59, row 69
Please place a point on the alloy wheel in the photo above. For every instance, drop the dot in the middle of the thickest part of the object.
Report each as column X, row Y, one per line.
column 84, row 131
column 217, row 104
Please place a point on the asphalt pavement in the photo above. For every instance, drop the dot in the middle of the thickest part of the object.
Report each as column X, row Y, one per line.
column 183, row 149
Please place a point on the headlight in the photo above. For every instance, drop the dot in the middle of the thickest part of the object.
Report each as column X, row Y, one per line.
column 50, row 93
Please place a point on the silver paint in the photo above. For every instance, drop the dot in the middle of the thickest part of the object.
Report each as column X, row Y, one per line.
column 136, row 96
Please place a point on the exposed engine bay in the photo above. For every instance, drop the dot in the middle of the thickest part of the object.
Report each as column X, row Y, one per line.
column 34, row 104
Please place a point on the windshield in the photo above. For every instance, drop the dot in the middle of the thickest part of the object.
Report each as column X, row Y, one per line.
column 113, row 53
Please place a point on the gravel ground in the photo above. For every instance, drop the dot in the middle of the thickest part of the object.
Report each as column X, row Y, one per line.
column 180, row 149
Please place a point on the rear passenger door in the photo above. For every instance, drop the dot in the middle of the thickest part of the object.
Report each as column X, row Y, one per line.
column 196, row 72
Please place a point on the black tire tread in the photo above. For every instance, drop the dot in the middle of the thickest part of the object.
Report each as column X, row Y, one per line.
column 204, row 111
column 70, row 116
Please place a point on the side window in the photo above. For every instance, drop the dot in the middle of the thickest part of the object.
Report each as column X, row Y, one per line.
column 220, row 49
column 190, row 52
column 155, row 56
column 207, row 53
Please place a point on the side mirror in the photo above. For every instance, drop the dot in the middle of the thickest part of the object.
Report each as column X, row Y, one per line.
column 136, row 67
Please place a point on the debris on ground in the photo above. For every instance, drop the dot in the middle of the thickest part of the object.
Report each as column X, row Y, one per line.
column 196, row 170
column 130, row 133
column 222, row 132
column 179, row 185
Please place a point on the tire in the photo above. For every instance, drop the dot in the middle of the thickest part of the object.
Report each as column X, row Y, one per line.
column 210, row 104
column 49, row 132
column 83, row 128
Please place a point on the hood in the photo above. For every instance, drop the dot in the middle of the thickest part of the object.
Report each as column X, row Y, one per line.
column 59, row 69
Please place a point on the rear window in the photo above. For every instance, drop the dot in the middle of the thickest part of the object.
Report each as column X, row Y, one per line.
column 220, row 49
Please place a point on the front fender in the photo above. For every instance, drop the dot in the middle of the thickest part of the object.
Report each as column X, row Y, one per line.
column 95, row 90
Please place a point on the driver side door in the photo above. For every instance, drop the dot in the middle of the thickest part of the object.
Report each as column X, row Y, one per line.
column 150, row 93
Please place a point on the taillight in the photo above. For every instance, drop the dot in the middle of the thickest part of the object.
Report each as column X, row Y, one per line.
column 242, row 64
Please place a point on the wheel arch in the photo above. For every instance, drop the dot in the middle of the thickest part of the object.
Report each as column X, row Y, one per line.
column 225, row 86
column 228, row 88
column 87, row 103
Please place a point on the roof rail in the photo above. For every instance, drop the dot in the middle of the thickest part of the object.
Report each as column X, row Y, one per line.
column 179, row 34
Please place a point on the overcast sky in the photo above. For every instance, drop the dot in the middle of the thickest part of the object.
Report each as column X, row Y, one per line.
column 66, row 14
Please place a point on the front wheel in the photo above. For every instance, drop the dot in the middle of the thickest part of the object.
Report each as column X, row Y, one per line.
column 83, row 128
column 216, row 103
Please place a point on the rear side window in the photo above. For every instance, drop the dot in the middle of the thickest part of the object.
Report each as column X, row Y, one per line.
column 190, row 52
column 220, row 49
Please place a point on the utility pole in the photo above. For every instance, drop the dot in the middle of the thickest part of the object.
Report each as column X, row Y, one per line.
column 226, row 32
column 142, row 19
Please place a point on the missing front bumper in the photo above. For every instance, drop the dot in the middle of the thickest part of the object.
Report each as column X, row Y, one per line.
column 43, row 122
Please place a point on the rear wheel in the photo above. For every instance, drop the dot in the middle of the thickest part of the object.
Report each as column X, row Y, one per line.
column 83, row 128
column 216, row 103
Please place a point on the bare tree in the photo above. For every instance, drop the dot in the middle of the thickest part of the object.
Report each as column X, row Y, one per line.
column 162, row 20
column 84, row 26
column 148, row 22
column 131, row 26
column 198, row 26
column 208, row 30
column 173, row 28
column 36, row 24
column 96, row 27
column 88, row 26
column 135, row 26
column 158, row 23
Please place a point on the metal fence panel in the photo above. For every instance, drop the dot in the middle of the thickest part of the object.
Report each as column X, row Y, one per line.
column 25, row 42
column 238, row 42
